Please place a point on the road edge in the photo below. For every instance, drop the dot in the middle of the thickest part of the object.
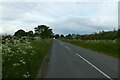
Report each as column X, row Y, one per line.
column 43, row 67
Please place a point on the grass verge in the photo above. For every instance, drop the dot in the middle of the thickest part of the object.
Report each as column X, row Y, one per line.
column 108, row 47
column 23, row 59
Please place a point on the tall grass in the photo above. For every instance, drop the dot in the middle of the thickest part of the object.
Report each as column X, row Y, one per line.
column 109, row 47
column 23, row 59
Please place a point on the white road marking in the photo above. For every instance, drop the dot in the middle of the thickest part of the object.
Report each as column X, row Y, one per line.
column 95, row 67
column 67, row 47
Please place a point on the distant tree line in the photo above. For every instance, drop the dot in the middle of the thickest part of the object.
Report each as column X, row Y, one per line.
column 102, row 35
column 41, row 31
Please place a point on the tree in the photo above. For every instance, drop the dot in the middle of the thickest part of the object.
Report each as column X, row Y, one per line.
column 73, row 36
column 20, row 33
column 36, row 35
column 69, row 36
column 56, row 36
column 29, row 33
column 62, row 36
column 50, row 33
column 77, row 36
column 43, row 31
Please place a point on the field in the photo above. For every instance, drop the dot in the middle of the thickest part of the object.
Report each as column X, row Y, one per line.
column 21, row 58
column 109, row 47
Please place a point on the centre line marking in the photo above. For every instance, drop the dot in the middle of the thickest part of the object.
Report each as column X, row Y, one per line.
column 94, row 67
column 67, row 47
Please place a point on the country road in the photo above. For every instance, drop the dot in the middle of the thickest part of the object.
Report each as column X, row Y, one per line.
column 69, row 61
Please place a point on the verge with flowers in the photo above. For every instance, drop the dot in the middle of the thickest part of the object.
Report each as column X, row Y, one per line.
column 21, row 58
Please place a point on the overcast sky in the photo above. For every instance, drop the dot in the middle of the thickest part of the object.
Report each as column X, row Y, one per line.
column 62, row 17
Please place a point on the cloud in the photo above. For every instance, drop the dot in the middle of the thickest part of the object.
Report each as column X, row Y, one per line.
column 82, row 25
column 62, row 17
column 119, row 13
column 35, row 17
column 1, row 30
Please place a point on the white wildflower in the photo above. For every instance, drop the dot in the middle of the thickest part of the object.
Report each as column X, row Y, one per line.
column 18, row 51
column 25, row 76
column 28, row 74
column 24, row 52
column 22, row 62
column 16, row 64
column 19, row 48
column 9, row 50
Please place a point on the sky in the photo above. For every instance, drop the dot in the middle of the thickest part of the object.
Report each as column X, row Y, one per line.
column 62, row 17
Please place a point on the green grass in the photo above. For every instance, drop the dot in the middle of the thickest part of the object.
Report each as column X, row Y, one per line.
column 108, row 47
column 23, row 59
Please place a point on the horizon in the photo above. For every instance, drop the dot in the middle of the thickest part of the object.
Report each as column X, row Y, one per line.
column 63, row 34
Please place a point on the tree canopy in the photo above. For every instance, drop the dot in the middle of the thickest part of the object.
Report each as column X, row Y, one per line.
column 43, row 31
column 20, row 33
column 102, row 35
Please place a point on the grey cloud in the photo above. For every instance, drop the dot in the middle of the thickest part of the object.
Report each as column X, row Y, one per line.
column 80, row 25
column 15, row 10
column 14, row 14
column 119, row 13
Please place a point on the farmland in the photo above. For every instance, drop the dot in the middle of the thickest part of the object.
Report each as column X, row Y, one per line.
column 22, row 57
column 109, row 47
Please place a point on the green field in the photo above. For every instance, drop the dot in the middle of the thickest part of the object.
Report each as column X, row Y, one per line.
column 21, row 58
column 108, row 47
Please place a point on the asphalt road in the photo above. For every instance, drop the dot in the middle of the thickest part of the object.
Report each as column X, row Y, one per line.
column 69, row 61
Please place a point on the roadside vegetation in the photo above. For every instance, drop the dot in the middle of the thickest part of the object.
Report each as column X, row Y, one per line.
column 106, row 42
column 24, row 52
column 109, row 47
